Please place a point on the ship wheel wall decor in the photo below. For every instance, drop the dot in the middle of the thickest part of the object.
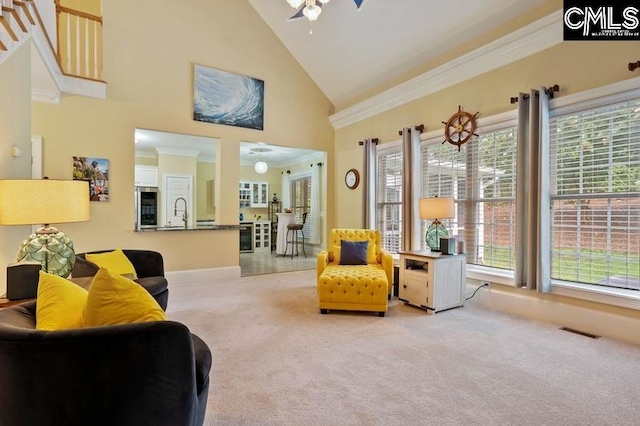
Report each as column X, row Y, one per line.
column 460, row 128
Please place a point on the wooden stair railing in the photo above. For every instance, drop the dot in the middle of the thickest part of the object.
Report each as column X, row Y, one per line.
column 79, row 43
column 8, row 12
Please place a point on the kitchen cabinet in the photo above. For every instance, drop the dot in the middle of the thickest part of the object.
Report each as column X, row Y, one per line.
column 146, row 175
column 259, row 194
column 254, row 194
column 244, row 194
column 262, row 235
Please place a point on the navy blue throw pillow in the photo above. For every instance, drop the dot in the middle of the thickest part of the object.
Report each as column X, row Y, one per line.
column 353, row 252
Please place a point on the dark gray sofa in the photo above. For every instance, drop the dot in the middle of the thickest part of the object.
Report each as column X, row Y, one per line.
column 153, row 373
column 149, row 266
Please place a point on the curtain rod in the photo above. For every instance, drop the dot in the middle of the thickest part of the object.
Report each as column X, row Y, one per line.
column 374, row 140
column 549, row 91
column 419, row 128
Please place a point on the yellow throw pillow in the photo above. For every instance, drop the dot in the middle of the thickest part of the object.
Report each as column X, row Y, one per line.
column 336, row 254
column 114, row 299
column 60, row 303
column 116, row 261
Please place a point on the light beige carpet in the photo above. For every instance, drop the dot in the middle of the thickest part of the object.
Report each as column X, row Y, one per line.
column 277, row 361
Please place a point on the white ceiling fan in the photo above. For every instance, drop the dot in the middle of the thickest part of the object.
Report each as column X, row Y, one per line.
column 311, row 9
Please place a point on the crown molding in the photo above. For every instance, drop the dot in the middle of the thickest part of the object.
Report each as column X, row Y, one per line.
column 533, row 38
column 177, row 152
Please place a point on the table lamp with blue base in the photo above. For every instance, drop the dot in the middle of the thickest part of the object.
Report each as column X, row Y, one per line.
column 436, row 208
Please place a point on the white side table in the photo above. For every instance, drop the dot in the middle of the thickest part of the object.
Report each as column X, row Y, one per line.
column 432, row 281
column 284, row 219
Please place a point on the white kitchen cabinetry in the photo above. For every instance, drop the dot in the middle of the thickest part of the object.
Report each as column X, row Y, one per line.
column 244, row 194
column 262, row 235
column 146, row 175
column 431, row 280
column 259, row 194
column 254, row 194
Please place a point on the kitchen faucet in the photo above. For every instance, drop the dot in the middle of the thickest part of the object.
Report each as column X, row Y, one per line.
column 185, row 216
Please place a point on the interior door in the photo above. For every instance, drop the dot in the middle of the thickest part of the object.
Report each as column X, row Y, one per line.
column 178, row 196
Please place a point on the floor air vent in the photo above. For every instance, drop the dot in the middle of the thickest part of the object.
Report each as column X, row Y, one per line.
column 582, row 333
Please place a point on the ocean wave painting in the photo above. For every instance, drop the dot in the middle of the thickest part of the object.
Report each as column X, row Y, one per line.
column 223, row 97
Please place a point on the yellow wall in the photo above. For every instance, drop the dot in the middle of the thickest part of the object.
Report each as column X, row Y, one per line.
column 147, row 161
column 205, row 207
column 15, row 112
column 149, row 56
column 89, row 6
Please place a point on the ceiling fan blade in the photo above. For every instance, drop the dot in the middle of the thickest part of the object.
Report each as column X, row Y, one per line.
column 359, row 3
column 299, row 13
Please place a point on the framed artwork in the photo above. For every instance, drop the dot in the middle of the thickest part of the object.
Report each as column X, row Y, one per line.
column 96, row 172
column 223, row 97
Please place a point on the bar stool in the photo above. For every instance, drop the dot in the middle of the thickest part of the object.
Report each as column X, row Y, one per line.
column 293, row 239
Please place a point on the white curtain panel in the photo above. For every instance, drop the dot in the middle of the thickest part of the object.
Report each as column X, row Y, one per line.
column 543, row 258
column 286, row 191
column 416, row 189
column 314, row 218
column 411, row 183
column 369, row 183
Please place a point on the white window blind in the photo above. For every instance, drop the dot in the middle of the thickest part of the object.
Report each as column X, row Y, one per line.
column 389, row 200
column 481, row 176
column 595, row 195
column 301, row 202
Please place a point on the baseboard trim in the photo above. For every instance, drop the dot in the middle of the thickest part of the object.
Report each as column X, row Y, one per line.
column 198, row 275
column 550, row 309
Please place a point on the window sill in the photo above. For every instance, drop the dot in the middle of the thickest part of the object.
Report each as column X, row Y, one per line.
column 609, row 296
column 496, row 276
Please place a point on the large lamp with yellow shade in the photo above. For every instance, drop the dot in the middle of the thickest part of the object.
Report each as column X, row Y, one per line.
column 45, row 201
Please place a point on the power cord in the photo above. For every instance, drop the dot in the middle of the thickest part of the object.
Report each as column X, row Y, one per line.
column 476, row 290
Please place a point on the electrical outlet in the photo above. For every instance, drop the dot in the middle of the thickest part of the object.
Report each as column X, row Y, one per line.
column 486, row 284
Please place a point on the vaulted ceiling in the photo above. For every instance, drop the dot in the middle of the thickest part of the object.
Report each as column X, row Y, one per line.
column 353, row 51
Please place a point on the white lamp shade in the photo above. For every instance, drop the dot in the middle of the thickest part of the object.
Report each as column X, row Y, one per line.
column 437, row 208
column 295, row 3
column 261, row 167
column 312, row 12
column 43, row 201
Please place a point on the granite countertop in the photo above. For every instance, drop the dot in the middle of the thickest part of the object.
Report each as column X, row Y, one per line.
column 190, row 228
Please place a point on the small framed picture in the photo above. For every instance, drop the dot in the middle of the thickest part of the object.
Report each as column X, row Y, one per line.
column 96, row 172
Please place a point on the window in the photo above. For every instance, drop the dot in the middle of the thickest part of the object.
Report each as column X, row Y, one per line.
column 595, row 195
column 389, row 199
column 301, row 201
column 481, row 176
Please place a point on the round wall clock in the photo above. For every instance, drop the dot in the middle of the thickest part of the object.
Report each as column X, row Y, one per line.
column 460, row 128
column 352, row 179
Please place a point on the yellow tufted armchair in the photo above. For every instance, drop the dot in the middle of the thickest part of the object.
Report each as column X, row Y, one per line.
column 354, row 287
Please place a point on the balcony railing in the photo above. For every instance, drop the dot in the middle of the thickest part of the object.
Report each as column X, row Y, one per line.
column 79, row 47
